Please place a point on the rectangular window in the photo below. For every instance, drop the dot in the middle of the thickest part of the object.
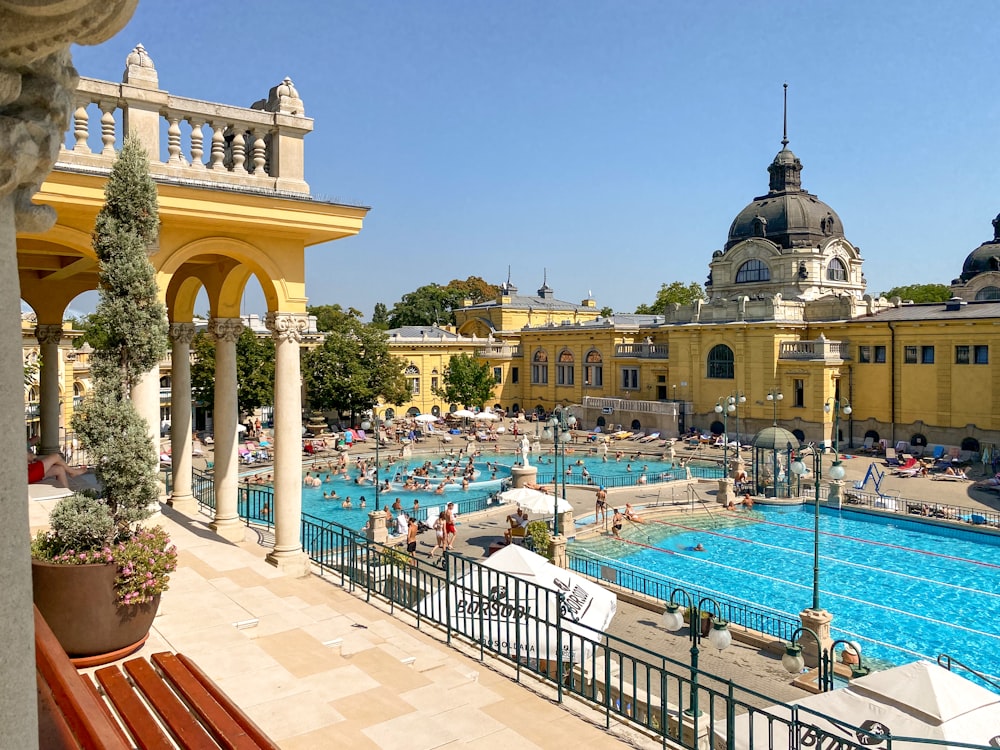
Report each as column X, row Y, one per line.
column 982, row 354
column 927, row 355
column 434, row 382
column 540, row 374
column 910, row 355
column 415, row 386
column 515, row 375
column 593, row 376
column 961, row 355
column 564, row 375
column 497, row 374
column 880, row 354
column 864, row 354
column 630, row 378
column 799, row 392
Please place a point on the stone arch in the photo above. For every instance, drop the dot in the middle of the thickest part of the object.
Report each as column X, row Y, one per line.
column 248, row 259
column 720, row 363
column 181, row 296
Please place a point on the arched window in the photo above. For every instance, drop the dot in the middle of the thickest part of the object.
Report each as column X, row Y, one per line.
column 165, row 381
column 720, row 362
column 436, row 410
column 564, row 368
column 836, row 270
column 540, row 368
column 988, row 293
column 390, row 413
column 413, row 379
column 753, row 270
column 593, row 370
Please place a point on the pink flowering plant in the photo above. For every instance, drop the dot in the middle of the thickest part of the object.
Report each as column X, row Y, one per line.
column 84, row 532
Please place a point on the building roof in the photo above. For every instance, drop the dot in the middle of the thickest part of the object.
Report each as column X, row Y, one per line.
column 952, row 310
column 984, row 258
column 423, row 333
column 525, row 302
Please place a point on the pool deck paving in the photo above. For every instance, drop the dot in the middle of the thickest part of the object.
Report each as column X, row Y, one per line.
column 320, row 667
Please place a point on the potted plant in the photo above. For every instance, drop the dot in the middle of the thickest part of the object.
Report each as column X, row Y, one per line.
column 538, row 532
column 97, row 574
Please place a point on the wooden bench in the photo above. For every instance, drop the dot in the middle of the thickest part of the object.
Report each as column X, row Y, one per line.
column 164, row 702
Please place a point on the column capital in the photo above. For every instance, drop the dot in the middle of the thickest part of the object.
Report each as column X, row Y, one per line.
column 225, row 329
column 182, row 333
column 287, row 326
column 49, row 333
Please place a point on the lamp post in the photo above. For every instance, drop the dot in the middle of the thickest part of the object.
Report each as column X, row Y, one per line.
column 793, row 662
column 725, row 406
column 774, row 396
column 835, row 405
column 367, row 425
column 799, row 468
column 561, row 427
column 739, row 399
column 719, row 636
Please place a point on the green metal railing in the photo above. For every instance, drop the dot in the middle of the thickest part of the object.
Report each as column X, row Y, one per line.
column 532, row 628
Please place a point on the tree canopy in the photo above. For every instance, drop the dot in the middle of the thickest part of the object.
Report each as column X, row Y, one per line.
column 353, row 369
column 433, row 304
column 920, row 292
column 466, row 381
column 675, row 292
column 254, row 370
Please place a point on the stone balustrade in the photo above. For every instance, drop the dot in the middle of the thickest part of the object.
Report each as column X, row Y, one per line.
column 643, row 351
column 499, row 351
column 258, row 148
column 819, row 349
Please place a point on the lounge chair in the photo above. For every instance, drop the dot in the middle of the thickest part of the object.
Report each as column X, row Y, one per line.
column 650, row 437
column 891, row 459
column 868, row 446
column 638, row 436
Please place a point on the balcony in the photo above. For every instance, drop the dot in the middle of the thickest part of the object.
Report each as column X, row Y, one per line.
column 643, row 351
column 500, row 351
column 821, row 349
column 257, row 148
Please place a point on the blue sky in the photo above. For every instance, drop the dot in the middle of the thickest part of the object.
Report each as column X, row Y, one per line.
column 611, row 143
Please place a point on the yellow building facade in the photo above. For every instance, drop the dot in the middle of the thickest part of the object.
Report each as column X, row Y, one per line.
column 787, row 332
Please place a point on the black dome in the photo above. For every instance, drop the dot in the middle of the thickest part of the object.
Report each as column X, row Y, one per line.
column 984, row 258
column 788, row 215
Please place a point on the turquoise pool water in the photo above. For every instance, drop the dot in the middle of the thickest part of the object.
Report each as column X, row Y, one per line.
column 901, row 588
column 627, row 471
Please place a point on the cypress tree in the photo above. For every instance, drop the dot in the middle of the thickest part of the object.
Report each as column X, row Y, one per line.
column 130, row 337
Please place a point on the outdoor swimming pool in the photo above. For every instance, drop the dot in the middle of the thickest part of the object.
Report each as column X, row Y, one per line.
column 612, row 473
column 901, row 588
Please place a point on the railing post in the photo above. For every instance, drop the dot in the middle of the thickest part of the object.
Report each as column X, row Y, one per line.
column 447, row 596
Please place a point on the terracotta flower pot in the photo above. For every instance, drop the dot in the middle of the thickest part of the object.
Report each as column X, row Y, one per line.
column 80, row 605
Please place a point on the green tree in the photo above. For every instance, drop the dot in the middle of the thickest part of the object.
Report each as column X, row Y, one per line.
column 353, row 369
column 671, row 293
column 380, row 316
column 133, row 326
column 607, row 312
column 466, row 381
column 333, row 317
column 920, row 292
column 434, row 304
column 254, row 370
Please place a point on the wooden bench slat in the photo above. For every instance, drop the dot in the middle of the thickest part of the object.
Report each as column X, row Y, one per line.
column 83, row 713
column 92, row 689
column 255, row 732
column 176, row 717
column 220, row 720
column 133, row 712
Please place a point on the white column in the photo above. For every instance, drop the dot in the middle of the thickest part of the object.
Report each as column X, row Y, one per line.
column 146, row 399
column 287, row 329
column 181, row 335
column 227, row 522
column 49, row 335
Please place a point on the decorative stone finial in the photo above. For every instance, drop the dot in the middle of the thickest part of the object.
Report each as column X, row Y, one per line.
column 139, row 69
column 283, row 98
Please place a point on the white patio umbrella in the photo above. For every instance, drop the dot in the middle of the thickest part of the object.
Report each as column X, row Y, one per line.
column 464, row 414
column 919, row 700
column 588, row 607
column 534, row 501
column 425, row 418
column 487, row 416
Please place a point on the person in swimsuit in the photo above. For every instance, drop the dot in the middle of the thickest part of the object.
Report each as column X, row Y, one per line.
column 450, row 531
column 51, row 466
column 600, row 505
column 440, row 534
column 616, row 523
column 411, row 540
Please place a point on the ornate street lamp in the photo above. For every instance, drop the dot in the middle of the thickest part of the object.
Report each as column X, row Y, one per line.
column 725, row 406
column 774, row 396
column 560, row 426
column 719, row 636
column 800, row 469
column 834, row 404
column 793, row 662
column 367, row 425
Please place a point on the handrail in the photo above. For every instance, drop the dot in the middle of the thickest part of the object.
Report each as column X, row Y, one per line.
column 946, row 661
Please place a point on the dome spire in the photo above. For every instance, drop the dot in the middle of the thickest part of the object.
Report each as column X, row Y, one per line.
column 784, row 124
